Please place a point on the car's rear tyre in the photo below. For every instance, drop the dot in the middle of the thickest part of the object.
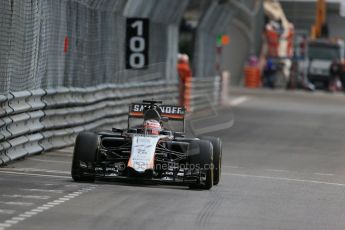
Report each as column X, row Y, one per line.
column 85, row 151
column 217, row 157
column 201, row 156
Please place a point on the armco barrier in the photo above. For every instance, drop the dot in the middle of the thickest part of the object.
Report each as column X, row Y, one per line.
column 205, row 92
column 3, row 100
column 70, row 111
column 20, row 124
column 35, row 121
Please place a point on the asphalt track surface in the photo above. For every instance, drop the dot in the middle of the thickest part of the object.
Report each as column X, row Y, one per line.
column 283, row 168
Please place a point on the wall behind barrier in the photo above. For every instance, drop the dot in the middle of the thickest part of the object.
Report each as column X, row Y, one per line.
column 214, row 21
column 242, row 21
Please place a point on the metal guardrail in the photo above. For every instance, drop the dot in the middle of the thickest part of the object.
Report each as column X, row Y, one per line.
column 205, row 92
column 40, row 120
column 20, row 123
column 70, row 111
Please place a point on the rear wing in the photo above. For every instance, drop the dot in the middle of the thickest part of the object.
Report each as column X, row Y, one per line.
column 176, row 114
column 173, row 112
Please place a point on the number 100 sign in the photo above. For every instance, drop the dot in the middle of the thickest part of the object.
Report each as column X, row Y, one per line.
column 137, row 43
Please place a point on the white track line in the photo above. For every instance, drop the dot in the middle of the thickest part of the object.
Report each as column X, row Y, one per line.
column 238, row 100
column 37, row 170
column 34, row 174
column 49, row 161
column 285, row 179
column 16, row 203
column 231, row 166
column 277, row 170
column 43, row 190
column 45, row 207
column 6, row 211
column 58, row 155
column 324, row 174
column 11, row 222
column 18, row 218
column 34, row 197
column 64, row 151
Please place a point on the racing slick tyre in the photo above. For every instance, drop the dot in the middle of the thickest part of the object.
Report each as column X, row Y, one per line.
column 85, row 151
column 201, row 154
column 217, row 157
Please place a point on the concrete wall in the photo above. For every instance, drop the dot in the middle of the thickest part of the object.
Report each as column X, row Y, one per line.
column 234, row 55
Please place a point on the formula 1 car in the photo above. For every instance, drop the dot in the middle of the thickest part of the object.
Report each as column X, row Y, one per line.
column 153, row 148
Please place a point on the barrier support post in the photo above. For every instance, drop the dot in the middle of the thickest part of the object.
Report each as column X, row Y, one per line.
column 224, row 99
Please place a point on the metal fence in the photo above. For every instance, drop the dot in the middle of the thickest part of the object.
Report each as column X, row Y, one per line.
column 80, row 43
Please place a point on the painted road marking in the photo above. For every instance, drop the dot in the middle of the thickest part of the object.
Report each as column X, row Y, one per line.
column 18, row 218
column 62, row 154
column 230, row 166
column 23, row 216
column 37, row 210
column 64, row 151
column 43, row 208
column 71, row 185
column 6, row 211
column 324, row 174
column 27, row 196
column 37, row 170
column 283, row 170
column 285, row 179
column 31, row 213
column 16, row 203
column 33, row 174
column 277, row 170
column 43, row 190
column 11, row 222
column 68, row 149
column 54, row 203
column 239, row 100
column 50, row 161
column 71, row 196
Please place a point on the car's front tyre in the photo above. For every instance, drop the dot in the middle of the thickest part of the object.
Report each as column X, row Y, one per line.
column 217, row 157
column 201, row 158
column 84, row 156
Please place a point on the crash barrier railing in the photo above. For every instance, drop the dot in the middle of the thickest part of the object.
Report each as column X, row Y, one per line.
column 205, row 92
column 35, row 121
column 67, row 114
column 20, row 124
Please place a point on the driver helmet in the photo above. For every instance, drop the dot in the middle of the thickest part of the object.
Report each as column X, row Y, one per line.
column 152, row 127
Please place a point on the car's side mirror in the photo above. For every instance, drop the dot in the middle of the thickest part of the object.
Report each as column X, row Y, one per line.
column 165, row 119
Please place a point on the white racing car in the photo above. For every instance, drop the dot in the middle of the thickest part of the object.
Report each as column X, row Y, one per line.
column 153, row 147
